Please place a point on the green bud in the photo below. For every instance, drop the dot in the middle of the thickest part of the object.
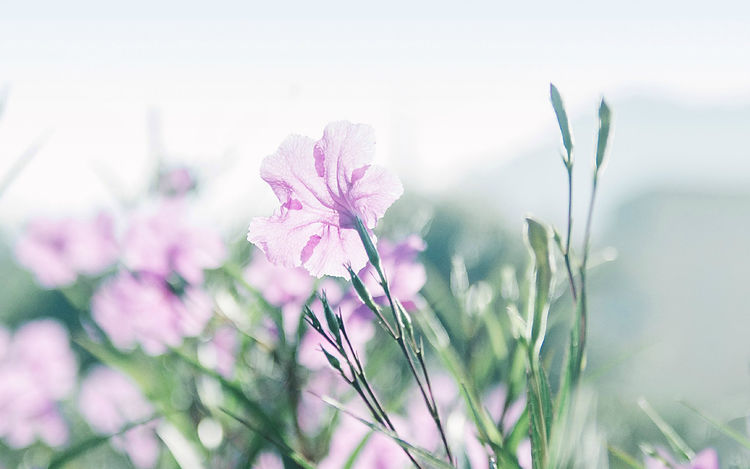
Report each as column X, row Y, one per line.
column 364, row 235
column 333, row 324
column 605, row 119
column 312, row 318
column 361, row 290
column 405, row 319
column 562, row 122
column 333, row 361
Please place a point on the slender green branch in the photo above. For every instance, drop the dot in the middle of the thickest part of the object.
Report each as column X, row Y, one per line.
column 398, row 316
column 566, row 253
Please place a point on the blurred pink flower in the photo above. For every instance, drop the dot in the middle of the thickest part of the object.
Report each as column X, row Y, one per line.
column 143, row 309
column 164, row 242
column 494, row 402
column 57, row 251
column 523, row 453
column 109, row 401
column 323, row 186
column 406, row 275
column 283, row 287
column 379, row 452
column 37, row 369
column 312, row 412
column 266, row 460
column 421, row 428
column 706, row 459
column 223, row 350
column 176, row 181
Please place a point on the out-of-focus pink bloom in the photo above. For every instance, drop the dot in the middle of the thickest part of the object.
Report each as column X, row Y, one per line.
column 176, row 181
column 283, row 287
column 109, row 401
column 312, row 412
column 421, row 429
column 406, row 275
column 37, row 369
column 379, row 452
column 165, row 242
column 143, row 309
column 323, row 187
column 223, row 348
column 57, row 251
column 494, row 401
column 268, row 460
column 706, row 459
column 523, row 453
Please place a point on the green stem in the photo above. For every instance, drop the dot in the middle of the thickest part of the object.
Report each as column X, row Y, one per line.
column 374, row 257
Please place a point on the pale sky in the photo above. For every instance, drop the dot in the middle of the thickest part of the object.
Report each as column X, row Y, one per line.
column 446, row 86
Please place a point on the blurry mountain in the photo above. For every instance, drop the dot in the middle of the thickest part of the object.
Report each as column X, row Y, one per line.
column 670, row 317
column 655, row 144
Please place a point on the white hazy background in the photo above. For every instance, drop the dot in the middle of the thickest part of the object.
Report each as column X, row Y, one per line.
column 449, row 87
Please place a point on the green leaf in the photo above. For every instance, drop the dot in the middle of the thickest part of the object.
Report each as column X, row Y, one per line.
column 538, row 241
column 85, row 446
column 485, row 426
column 624, row 457
column 281, row 445
column 233, row 389
column 675, row 441
column 355, row 454
column 605, row 118
column 562, row 121
column 539, row 406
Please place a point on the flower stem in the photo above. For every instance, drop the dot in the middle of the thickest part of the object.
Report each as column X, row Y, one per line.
column 398, row 316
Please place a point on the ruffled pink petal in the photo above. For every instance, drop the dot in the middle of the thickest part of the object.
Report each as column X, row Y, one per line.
column 344, row 148
column 373, row 193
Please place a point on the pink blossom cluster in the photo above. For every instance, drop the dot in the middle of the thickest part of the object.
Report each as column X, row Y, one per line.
column 159, row 299
column 58, row 251
column 37, row 370
column 110, row 401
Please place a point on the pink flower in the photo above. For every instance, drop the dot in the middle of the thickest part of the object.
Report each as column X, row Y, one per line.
column 283, row 287
column 379, row 452
column 406, row 276
column 706, row 459
column 266, row 460
column 323, row 186
column 57, row 251
column 109, row 401
column 176, row 181
column 421, row 429
column 312, row 412
column 37, row 369
column 164, row 242
column 143, row 309
column 222, row 350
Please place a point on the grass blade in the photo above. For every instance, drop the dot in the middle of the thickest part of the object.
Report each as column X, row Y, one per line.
column 94, row 442
column 677, row 443
column 434, row 462
column 733, row 434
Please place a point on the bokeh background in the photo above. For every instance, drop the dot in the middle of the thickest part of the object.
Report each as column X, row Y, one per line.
column 458, row 95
